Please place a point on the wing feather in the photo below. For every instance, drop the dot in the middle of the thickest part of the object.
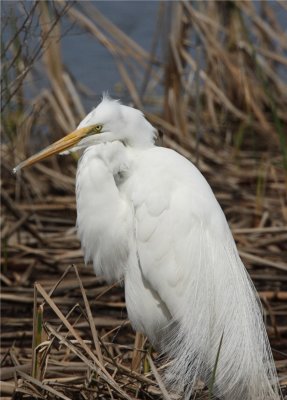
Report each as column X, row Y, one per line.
column 189, row 258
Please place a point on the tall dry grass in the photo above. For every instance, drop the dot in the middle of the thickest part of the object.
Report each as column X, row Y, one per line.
column 222, row 69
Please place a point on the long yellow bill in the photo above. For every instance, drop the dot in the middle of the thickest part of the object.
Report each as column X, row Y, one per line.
column 61, row 145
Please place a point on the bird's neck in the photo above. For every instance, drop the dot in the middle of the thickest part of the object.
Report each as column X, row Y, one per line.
column 141, row 139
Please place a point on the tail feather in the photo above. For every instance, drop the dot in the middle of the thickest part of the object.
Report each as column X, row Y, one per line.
column 220, row 302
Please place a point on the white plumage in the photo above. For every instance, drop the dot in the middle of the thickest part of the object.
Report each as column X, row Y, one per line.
column 147, row 216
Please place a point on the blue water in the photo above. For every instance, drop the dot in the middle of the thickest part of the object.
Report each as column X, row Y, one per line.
column 89, row 61
column 86, row 59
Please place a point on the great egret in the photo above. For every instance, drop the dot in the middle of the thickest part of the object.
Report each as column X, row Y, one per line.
column 147, row 216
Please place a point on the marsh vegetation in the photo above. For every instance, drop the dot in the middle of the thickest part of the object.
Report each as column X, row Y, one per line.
column 214, row 84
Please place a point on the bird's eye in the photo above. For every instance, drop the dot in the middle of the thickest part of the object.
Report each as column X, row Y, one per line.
column 96, row 129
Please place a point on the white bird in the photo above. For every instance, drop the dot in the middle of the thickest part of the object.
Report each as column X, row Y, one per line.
column 147, row 216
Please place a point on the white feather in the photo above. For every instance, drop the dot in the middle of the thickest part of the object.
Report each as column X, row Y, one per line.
column 146, row 215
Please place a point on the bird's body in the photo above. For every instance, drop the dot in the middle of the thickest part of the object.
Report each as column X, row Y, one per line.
column 146, row 216
column 149, row 204
column 159, row 228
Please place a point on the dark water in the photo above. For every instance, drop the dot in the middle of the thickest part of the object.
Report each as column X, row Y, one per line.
column 89, row 61
column 86, row 59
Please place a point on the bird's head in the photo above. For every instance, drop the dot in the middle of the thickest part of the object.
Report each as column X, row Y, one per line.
column 110, row 121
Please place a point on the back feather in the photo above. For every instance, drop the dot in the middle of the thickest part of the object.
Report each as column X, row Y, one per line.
column 219, row 301
column 188, row 256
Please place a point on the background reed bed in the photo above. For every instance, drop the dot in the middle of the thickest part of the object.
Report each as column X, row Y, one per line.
column 214, row 84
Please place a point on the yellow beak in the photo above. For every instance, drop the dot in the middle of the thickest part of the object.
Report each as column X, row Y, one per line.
column 61, row 145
